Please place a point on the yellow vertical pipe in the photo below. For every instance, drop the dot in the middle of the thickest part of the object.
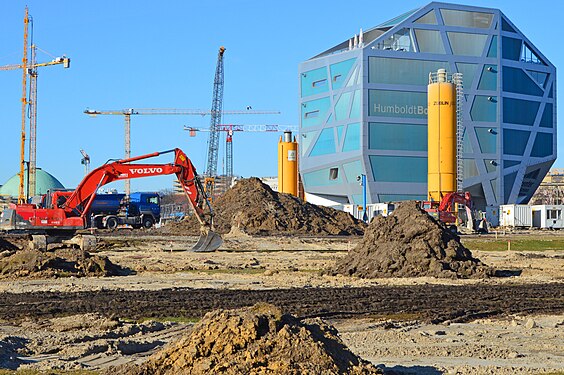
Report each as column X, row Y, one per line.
column 441, row 139
column 288, row 165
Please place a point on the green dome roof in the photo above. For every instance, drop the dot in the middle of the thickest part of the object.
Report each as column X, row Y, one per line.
column 43, row 182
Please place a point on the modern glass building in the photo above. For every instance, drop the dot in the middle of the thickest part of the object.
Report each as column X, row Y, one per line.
column 363, row 107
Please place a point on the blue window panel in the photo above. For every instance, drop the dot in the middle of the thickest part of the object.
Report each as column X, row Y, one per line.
column 468, row 72
column 339, row 72
column 305, row 140
column 508, row 182
column 401, row 197
column 492, row 51
column 511, row 48
column 484, row 109
column 429, row 41
column 493, row 183
column 488, row 81
column 515, row 141
column 342, row 106
column 353, row 77
column 491, row 165
column 398, row 168
column 352, row 138
column 325, row 144
column 352, row 170
column 314, row 82
column 428, row 19
column 321, row 178
column 469, row 168
column 315, row 111
column 539, row 77
column 542, row 146
column 340, row 133
column 402, row 71
column 505, row 26
column 510, row 163
column 402, row 104
column 329, row 119
column 383, row 136
column 466, row 144
column 398, row 19
column 465, row 44
column 547, row 117
column 517, row 111
column 486, row 140
column 464, row 18
column 355, row 108
column 516, row 80
column 550, row 92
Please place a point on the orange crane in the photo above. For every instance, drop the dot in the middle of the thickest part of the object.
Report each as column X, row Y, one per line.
column 29, row 68
column 231, row 128
column 127, row 113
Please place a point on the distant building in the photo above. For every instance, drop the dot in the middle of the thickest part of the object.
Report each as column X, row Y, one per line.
column 44, row 181
column 363, row 108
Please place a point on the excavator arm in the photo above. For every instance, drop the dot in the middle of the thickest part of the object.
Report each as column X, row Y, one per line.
column 80, row 201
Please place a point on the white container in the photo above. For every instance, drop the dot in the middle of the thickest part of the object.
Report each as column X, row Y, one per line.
column 547, row 216
column 492, row 215
column 515, row 215
column 373, row 210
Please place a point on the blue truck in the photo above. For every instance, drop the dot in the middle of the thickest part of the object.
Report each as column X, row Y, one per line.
column 139, row 210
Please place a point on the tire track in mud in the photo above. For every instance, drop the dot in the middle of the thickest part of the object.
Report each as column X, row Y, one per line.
column 431, row 303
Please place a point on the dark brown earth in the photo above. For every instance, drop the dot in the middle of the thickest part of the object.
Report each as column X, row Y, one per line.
column 410, row 243
column 255, row 340
column 254, row 208
column 430, row 303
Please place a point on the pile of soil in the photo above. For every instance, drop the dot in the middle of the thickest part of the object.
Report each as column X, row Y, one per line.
column 255, row 340
column 57, row 263
column 254, row 208
column 410, row 243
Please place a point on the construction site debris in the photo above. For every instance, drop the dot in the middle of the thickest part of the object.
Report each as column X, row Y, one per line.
column 65, row 261
column 255, row 340
column 410, row 243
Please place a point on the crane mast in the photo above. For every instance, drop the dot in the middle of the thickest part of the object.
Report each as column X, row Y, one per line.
column 216, row 114
column 21, row 193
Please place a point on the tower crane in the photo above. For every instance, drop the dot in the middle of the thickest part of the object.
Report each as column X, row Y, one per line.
column 29, row 68
column 127, row 113
column 231, row 128
column 86, row 161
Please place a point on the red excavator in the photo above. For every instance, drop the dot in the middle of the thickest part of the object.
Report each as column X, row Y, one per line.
column 61, row 213
column 445, row 209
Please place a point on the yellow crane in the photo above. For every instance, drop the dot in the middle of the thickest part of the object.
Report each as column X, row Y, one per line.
column 29, row 69
column 127, row 113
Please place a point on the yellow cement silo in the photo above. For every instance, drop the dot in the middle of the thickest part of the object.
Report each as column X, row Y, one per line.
column 288, row 164
column 441, row 135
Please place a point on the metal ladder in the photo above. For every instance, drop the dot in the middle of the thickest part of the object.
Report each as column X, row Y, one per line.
column 457, row 80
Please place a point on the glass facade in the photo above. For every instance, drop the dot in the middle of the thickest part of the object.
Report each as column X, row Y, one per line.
column 364, row 109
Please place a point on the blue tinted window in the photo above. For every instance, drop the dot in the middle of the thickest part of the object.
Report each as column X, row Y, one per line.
column 484, row 109
column 508, row 182
column 402, row 71
column 550, row 92
column 340, row 133
column 342, row 107
column 339, row 72
column 305, row 140
column 547, row 117
column 511, row 48
column 429, row 18
column 542, row 146
column 314, row 82
column 355, row 108
column 382, row 136
column 325, row 144
column 494, row 187
column 468, row 71
column 466, row 44
column 515, row 141
column 469, row 168
column 394, row 168
column 517, row 111
column 429, row 41
column 386, row 103
column 314, row 111
column 488, row 81
column 539, row 77
column 505, row 26
column 516, row 80
column 487, row 140
column 320, row 178
column 464, row 18
column 352, row 170
column 352, row 138
column 510, row 163
column 492, row 51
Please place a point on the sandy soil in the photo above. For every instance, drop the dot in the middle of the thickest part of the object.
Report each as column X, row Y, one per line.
column 514, row 345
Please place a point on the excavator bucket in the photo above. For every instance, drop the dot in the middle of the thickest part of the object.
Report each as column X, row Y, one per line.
column 209, row 241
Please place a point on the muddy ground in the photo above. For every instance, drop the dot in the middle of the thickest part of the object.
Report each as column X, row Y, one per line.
column 423, row 325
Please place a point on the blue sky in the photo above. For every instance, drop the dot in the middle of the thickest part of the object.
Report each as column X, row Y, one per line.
column 162, row 54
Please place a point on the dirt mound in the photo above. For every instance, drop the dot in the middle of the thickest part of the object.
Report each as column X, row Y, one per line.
column 254, row 208
column 410, row 243
column 60, row 262
column 255, row 340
